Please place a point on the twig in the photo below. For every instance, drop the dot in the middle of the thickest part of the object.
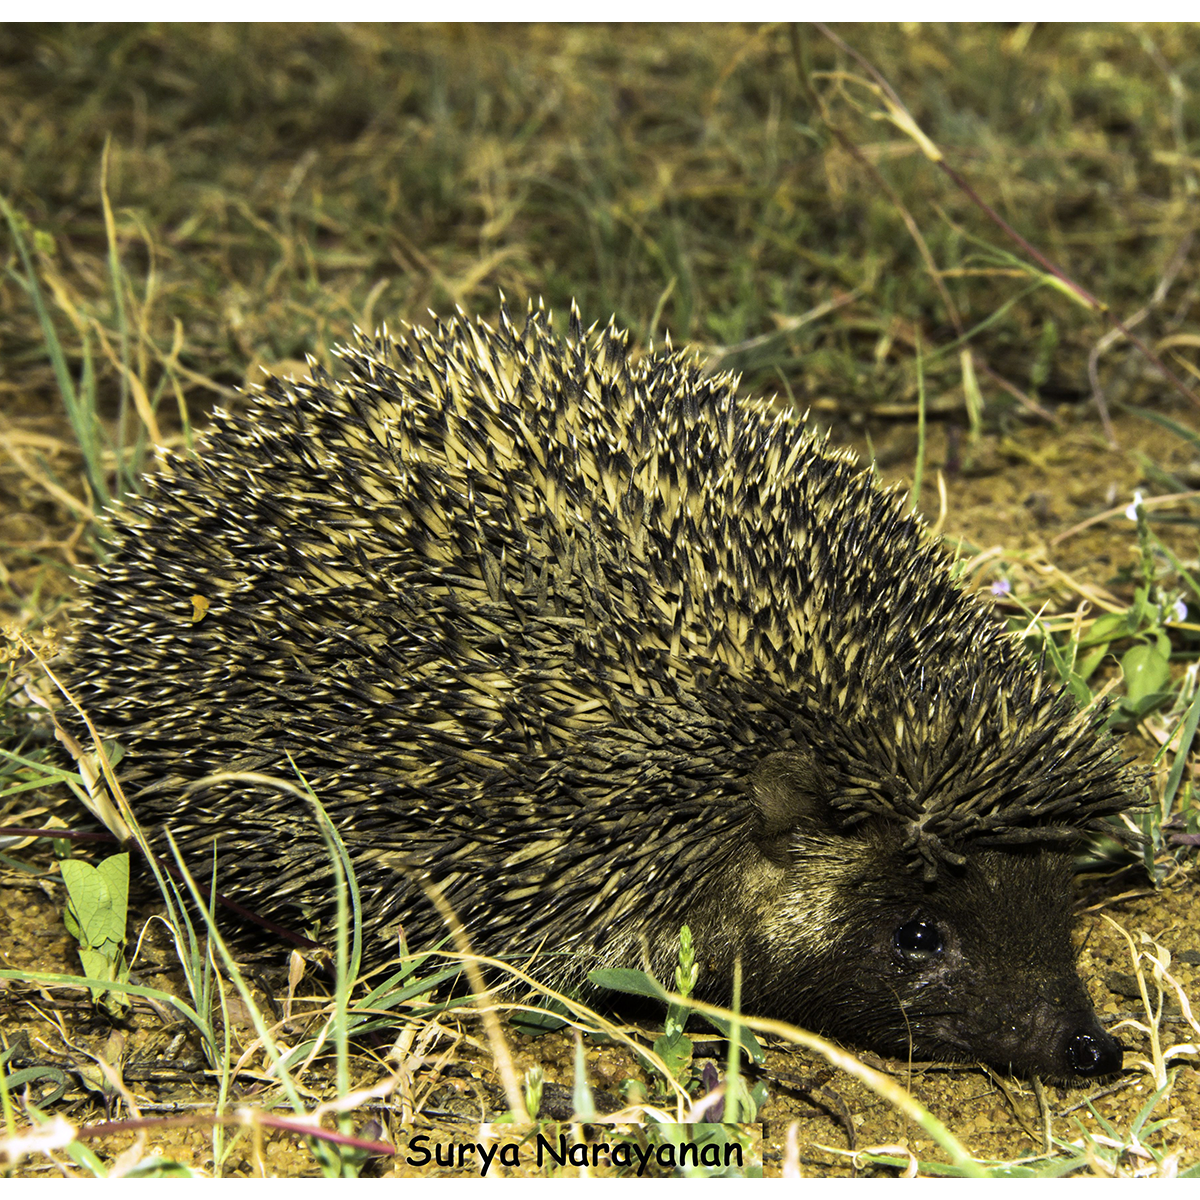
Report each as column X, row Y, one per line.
column 719, row 354
column 1011, row 388
column 1148, row 502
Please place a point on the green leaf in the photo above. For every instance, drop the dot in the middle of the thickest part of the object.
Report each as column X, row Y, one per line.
column 676, row 1051
column 1146, row 673
column 748, row 1042
column 628, row 981
column 1106, row 629
column 98, row 964
column 97, row 903
column 114, row 871
column 98, row 897
column 1086, row 669
column 1191, row 719
column 161, row 1168
column 547, row 1017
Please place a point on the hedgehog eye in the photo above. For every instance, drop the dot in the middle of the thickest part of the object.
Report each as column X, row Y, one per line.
column 918, row 942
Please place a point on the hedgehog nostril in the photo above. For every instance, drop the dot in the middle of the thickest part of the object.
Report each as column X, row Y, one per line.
column 1093, row 1052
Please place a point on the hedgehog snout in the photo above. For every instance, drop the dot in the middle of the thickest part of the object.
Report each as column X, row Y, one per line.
column 1051, row 1031
column 1057, row 1037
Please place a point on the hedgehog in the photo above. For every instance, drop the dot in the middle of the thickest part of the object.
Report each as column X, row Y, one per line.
column 599, row 648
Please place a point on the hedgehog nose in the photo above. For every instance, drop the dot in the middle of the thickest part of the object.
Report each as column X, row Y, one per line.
column 1092, row 1052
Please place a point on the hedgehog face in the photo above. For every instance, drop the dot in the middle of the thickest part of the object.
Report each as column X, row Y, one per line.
column 978, row 964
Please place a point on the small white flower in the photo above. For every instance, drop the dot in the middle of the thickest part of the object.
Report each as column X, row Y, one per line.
column 1131, row 511
column 1178, row 613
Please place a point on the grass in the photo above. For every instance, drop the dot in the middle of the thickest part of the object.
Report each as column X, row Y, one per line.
column 965, row 228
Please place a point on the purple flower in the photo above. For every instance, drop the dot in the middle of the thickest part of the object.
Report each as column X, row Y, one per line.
column 1001, row 587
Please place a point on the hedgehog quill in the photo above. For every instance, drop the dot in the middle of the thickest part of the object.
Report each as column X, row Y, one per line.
column 603, row 649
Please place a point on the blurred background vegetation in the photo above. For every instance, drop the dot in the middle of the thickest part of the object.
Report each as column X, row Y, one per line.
column 271, row 186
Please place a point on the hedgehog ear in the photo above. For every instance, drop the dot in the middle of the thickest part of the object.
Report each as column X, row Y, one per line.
column 787, row 792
